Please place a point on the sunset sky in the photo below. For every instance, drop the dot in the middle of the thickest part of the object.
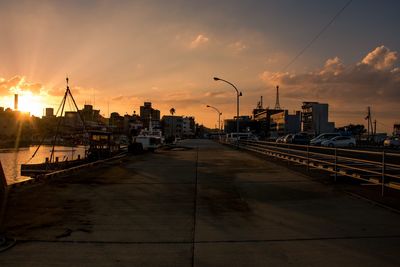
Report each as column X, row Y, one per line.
column 122, row 53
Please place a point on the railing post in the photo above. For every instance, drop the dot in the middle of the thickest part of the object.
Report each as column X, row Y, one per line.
column 383, row 172
column 308, row 158
column 335, row 168
column 287, row 153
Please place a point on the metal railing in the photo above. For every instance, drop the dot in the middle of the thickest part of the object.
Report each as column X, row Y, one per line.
column 374, row 168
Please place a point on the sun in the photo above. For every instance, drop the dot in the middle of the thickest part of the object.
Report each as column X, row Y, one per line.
column 28, row 102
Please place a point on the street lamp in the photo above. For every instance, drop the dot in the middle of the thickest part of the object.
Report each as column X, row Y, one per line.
column 238, row 94
column 219, row 116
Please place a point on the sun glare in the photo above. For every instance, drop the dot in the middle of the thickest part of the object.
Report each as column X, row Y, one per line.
column 27, row 102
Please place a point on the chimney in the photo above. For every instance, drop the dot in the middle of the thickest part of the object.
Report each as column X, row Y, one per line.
column 16, row 102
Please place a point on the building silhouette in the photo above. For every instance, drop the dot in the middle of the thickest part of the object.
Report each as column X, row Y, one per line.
column 147, row 112
column 315, row 118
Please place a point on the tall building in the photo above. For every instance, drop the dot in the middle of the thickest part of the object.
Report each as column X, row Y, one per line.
column 147, row 111
column 49, row 112
column 172, row 126
column 315, row 118
column 89, row 114
column 246, row 124
column 116, row 123
column 16, row 102
column 263, row 118
column 188, row 127
column 284, row 123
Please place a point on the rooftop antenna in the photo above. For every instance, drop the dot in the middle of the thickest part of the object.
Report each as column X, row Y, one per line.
column 277, row 106
column 108, row 108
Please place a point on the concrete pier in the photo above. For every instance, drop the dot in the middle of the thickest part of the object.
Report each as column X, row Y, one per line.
column 209, row 205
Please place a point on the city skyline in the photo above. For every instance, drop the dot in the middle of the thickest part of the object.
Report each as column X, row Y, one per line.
column 120, row 54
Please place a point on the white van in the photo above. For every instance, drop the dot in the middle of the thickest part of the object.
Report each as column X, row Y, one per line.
column 231, row 137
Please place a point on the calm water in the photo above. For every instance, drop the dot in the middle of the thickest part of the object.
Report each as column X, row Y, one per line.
column 11, row 160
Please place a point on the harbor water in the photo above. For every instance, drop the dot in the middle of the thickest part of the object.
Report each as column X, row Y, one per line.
column 11, row 159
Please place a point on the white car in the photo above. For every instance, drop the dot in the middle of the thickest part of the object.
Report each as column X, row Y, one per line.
column 340, row 141
column 322, row 137
column 232, row 137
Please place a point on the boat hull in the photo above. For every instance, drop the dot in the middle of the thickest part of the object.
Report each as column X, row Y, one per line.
column 33, row 170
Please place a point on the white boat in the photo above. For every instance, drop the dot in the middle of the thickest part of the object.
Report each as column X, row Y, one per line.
column 150, row 139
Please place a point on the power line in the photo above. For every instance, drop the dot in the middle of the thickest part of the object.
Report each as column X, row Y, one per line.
column 318, row 35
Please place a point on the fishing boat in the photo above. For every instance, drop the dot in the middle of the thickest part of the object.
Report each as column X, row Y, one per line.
column 100, row 145
column 149, row 139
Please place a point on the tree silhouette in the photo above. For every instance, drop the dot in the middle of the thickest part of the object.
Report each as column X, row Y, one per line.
column 172, row 111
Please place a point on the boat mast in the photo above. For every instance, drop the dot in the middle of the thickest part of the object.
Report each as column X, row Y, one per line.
column 62, row 106
column 59, row 121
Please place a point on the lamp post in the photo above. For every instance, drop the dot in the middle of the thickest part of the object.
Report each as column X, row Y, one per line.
column 238, row 94
column 219, row 116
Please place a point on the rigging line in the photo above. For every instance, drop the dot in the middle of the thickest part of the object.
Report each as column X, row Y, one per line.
column 37, row 149
column 58, row 125
column 317, row 36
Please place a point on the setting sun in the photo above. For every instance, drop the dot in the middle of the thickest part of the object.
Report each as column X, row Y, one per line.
column 31, row 103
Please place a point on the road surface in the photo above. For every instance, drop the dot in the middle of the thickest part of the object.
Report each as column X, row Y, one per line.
column 209, row 205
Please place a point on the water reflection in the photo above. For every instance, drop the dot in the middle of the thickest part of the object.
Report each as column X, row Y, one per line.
column 11, row 159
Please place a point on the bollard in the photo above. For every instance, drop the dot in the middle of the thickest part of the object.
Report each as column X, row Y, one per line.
column 56, row 159
column 79, row 156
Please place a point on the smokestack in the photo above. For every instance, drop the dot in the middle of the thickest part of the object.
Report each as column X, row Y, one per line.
column 16, row 102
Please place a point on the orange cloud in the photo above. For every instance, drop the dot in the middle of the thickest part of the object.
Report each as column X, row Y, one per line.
column 381, row 58
column 17, row 83
column 199, row 41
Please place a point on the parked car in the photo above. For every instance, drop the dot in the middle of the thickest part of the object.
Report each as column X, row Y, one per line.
column 280, row 139
column 340, row 141
column 241, row 136
column 287, row 139
column 300, row 139
column 323, row 137
column 393, row 141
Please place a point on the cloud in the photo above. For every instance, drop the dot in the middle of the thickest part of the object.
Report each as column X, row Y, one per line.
column 18, row 83
column 238, row 47
column 60, row 91
column 118, row 98
column 218, row 94
column 200, row 40
column 381, row 58
column 373, row 80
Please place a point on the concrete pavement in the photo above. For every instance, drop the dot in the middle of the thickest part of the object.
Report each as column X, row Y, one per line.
column 207, row 206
